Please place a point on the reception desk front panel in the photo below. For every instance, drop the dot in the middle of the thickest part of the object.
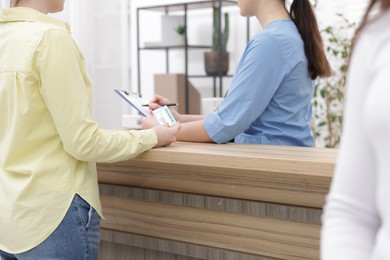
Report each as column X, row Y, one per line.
column 209, row 201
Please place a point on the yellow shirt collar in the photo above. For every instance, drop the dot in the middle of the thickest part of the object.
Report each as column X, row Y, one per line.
column 25, row 14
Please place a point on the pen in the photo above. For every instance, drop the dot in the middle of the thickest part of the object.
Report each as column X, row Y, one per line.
column 168, row 105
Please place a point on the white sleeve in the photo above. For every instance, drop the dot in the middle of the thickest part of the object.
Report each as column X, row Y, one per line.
column 350, row 219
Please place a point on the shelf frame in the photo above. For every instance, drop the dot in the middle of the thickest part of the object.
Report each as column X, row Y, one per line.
column 185, row 7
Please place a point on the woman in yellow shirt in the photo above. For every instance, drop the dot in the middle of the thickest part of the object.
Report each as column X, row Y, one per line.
column 49, row 143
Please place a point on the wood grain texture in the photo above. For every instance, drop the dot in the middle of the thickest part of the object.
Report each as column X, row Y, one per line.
column 239, row 206
column 255, row 235
column 278, row 174
column 120, row 245
column 258, row 202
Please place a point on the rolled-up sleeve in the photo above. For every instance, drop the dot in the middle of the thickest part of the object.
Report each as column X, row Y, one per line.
column 258, row 76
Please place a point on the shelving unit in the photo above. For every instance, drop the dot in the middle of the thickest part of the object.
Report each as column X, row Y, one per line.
column 185, row 8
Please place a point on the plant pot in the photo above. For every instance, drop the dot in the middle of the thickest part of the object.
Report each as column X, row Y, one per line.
column 180, row 40
column 213, row 66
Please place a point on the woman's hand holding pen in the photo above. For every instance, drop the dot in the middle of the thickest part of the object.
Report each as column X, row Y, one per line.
column 165, row 135
column 155, row 103
column 159, row 101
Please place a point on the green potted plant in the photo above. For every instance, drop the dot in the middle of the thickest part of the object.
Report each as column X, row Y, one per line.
column 217, row 60
column 180, row 30
column 328, row 100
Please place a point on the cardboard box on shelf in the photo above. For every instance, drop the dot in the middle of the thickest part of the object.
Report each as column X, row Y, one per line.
column 172, row 86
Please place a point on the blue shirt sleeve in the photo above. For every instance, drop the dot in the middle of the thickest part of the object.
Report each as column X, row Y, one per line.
column 258, row 76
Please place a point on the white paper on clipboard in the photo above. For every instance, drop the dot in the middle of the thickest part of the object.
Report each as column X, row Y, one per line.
column 134, row 101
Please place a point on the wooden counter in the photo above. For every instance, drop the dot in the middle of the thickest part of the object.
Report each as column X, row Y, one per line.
column 209, row 201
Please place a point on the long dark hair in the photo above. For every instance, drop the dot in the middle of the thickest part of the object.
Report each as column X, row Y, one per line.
column 301, row 12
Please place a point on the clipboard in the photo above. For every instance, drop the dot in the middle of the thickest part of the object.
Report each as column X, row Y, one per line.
column 134, row 100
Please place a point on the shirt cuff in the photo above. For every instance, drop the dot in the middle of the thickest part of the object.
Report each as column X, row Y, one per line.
column 215, row 128
column 146, row 138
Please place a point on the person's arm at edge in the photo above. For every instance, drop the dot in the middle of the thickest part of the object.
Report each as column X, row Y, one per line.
column 351, row 218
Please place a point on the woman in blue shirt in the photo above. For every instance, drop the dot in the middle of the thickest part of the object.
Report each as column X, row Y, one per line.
column 269, row 101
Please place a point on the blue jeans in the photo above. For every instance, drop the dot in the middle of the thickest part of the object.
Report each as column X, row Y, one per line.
column 76, row 238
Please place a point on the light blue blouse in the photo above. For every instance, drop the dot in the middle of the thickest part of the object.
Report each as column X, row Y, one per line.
column 269, row 101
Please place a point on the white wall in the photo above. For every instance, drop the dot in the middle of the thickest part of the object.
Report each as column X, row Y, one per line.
column 4, row 3
column 351, row 9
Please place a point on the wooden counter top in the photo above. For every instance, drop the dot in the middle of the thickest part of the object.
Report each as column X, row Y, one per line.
column 279, row 174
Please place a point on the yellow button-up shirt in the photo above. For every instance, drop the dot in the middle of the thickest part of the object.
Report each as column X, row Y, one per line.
column 49, row 142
